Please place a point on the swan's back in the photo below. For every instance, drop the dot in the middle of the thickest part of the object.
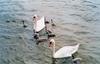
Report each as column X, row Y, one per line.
column 66, row 51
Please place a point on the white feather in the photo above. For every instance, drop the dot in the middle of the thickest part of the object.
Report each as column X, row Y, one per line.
column 65, row 51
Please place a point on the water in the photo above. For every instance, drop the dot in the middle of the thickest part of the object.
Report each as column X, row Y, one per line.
column 77, row 21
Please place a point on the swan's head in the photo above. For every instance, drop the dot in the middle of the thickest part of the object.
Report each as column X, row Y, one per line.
column 35, row 16
column 52, row 42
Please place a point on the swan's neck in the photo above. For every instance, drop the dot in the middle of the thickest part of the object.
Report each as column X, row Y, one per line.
column 53, row 48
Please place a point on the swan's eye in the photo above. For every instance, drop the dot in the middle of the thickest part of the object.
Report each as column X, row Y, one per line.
column 34, row 17
column 50, row 43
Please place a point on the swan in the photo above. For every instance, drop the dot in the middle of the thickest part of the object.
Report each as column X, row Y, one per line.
column 65, row 51
column 39, row 23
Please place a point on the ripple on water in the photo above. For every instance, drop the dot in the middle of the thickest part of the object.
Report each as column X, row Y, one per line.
column 75, row 23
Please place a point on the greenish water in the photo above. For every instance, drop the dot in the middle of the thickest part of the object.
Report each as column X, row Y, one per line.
column 76, row 20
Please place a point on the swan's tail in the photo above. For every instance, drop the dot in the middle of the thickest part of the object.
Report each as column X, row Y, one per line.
column 77, row 45
column 75, row 48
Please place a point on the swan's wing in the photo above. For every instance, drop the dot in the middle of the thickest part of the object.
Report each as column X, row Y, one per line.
column 62, row 52
column 66, row 51
column 74, row 48
column 40, row 24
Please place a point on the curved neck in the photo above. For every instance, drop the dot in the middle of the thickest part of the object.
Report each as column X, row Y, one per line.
column 53, row 48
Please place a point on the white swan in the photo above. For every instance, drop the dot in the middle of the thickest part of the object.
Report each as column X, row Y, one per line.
column 65, row 51
column 39, row 23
